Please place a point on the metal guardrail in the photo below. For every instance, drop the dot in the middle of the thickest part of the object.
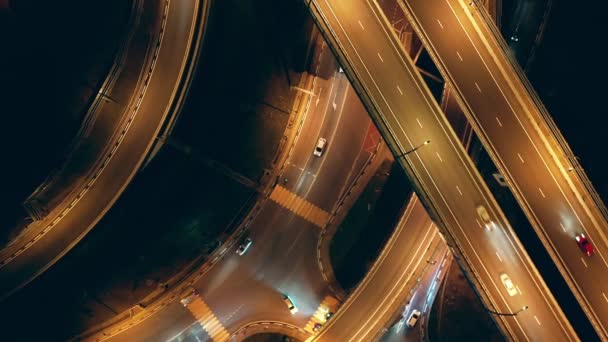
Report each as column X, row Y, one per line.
column 116, row 138
column 181, row 283
column 395, row 147
column 554, row 130
column 555, row 145
column 33, row 204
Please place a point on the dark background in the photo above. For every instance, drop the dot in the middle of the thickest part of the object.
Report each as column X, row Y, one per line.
column 53, row 55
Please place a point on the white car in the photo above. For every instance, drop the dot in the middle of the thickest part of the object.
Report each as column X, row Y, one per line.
column 244, row 246
column 320, row 146
column 511, row 289
column 413, row 319
column 485, row 217
column 290, row 305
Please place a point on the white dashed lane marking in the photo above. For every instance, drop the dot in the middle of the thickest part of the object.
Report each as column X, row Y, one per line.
column 498, row 120
column 438, row 156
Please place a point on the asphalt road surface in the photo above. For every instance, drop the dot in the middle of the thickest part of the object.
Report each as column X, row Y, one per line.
column 422, row 300
column 391, row 280
column 450, row 179
column 119, row 165
column 504, row 113
column 241, row 290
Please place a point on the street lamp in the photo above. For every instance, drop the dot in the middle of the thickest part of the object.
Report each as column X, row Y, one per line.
column 508, row 314
column 574, row 165
column 413, row 150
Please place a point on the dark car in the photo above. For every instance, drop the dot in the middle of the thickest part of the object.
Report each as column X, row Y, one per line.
column 584, row 244
column 188, row 299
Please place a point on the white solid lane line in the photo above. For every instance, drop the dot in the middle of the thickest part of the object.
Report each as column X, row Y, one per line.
column 509, row 240
column 544, row 162
column 432, row 181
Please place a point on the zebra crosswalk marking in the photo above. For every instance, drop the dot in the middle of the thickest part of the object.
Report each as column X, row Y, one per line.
column 300, row 206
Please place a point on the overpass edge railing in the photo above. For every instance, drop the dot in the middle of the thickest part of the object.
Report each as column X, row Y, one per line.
column 554, row 129
column 32, row 203
column 394, row 146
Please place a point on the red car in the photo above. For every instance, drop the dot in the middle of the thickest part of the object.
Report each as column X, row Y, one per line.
column 584, row 244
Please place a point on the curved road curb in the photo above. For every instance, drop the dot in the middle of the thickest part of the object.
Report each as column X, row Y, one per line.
column 180, row 285
column 33, row 203
column 258, row 327
column 128, row 160
column 338, row 214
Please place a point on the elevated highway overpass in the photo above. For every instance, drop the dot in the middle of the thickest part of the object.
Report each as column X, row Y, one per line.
column 446, row 180
column 522, row 140
column 164, row 49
